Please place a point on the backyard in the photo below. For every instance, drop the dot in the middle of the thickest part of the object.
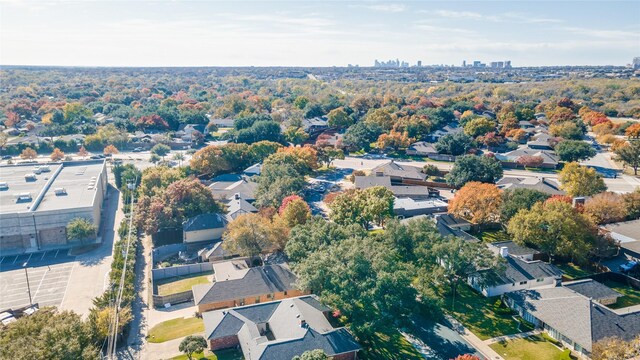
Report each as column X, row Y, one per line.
column 485, row 317
column 574, row 271
column 389, row 345
column 490, row 236
column 531, row 348
column 175, row 329
column 180, row 284
column 231, row 354
column 631, row 296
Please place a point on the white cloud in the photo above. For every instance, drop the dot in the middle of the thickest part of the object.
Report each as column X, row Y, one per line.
column 388, row 8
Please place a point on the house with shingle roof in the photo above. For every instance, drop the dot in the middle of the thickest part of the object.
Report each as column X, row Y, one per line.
column 545, row 185
column 594, row 290
column 398, row 172
column 573, row 318
column 237, row 284
column 203, row 227
column 279, row 330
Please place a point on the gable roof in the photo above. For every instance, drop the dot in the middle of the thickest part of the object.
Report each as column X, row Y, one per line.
column 238, row 206
column 408, row 191
column 545, row 185
column 224, row 187
column 394, row 169
column 286, row 336
column 204, row 222
column 548, row 156
column 576, row 316
column 513, row 248
column 257, row 281
column 423, row 147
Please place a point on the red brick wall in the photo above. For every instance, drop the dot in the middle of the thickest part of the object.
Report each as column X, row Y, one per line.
column 346, row 356
column 250, row 300
column 223, row 343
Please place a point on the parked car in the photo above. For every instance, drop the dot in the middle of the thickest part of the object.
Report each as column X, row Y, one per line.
column 138, row 149
column 7, row 157
column 628, row 266
column 95, row 157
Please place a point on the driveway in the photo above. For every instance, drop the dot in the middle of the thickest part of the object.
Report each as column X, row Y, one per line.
column 444, row 343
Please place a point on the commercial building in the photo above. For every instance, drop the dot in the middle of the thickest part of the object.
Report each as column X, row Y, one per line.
column 38, row 201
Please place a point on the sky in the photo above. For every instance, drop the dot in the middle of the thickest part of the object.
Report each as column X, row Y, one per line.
column 317, row 33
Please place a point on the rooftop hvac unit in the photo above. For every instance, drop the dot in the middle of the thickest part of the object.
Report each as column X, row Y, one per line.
column 60, row 191
column 45, row 168
column 24, row 196
column 4, row 185
column 30, row 176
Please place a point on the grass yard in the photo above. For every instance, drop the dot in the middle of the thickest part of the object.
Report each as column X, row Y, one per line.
column 175, row 329
column 389, row 346
column 531, row 348
column 631, row 296
column 490, row 236
column 231, row 354
column 485, row 317
column 572, row 271
column 180, row 284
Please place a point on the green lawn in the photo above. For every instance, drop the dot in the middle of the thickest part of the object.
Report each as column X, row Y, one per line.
column 231, row 354
column 175, row 329
column 180, row 284
column 485, row 317
column 531, row 348
column 389, row 346
column 490, row 236
column 631, row 296
column 572, row 271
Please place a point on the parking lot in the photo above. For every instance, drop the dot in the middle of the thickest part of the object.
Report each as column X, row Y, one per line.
column 48, row 273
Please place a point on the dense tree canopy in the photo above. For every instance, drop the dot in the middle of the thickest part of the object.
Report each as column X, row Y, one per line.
column 579, row 180
column 468, row 168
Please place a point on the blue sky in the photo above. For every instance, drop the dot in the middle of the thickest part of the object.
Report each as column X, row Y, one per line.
column 316, row 33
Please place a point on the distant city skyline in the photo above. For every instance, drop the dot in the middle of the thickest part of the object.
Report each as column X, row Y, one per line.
column 309, row 33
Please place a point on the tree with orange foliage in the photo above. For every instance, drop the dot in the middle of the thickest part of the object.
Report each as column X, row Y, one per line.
column 57, row 155
column 110, row 150
column 83, row 152
column 307, row 154
column 466, row 357
column 477, row 202
column 12, row 119
column 633, row 131
column 605, row 208
column 394, row 139
column 28, row 154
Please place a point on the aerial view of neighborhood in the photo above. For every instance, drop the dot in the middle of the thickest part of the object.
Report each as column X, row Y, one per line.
column 319, row 180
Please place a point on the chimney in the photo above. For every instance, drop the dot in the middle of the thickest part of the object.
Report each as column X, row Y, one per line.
column 578, row 201
column 504, row 251
column 303, row 323
column 236, row 196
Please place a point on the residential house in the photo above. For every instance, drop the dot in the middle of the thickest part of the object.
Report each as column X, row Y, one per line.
column 444, row 229
column 221, row 123
column 573, row 318
column 237, row 284
column 237, row 206
column 545, row 185
column 253, row 170
column 521, row 271
column 225, row 186
column 408, row 207
column 399, row 173
column 628, row 234
column 541, row 141
column 549, row 158
column 315, row 125
column 400, row 191
column 204, row 227
column 279, row 330
column 423, row 148
column 449, row 129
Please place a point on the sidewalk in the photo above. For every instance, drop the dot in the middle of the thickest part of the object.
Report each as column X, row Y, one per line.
column 480, row 345
column 513, row 336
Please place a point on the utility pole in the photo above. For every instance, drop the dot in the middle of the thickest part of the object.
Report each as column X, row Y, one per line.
column 28, row 286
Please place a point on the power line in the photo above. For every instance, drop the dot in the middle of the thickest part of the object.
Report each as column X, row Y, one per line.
column 113, row 336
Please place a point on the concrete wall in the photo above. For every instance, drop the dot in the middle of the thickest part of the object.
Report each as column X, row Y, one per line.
column 166, row 251
column 183, row 270
column 203, row 235
column 160, row 301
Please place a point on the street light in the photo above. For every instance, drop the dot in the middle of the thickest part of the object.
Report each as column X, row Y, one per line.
column 28, row 286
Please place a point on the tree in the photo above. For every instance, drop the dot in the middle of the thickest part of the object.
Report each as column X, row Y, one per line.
column 514, row 200
column 179, row 157
column 48, row 334
column 456, row 144
column 574, row 150
column 317, row 354
column 295, row 135
column 614, row 348
column 192, row 344
column 466, row 357
column 361, row 135
column 28, row 154
column 80, row 229
column 249, row 235
column 82, row 152
column 461, row 259
column 474, row 168
column 161, row 150
column 57, row 155
column 479, row 126
column 102, row 319
column 530, row 161
column 339, row 118
column 477, row 202
column 4, row 138
column 373, row 204
column 110, row 150
column 579, row 180
column 154, row 159
column 632, row 204
column 431, row 170
column 567, row 130
column 605, row 208
column 629, row 154
column 633, row 131
column 556, row 228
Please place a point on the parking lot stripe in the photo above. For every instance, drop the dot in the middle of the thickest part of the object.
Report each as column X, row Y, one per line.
column 67, row 286
column 43, row 254
column 26, row 262
column 40, row 284
column 14, row 260
column 57, row 251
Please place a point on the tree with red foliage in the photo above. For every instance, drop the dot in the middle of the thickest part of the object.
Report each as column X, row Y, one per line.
column 530, row 161
column 466, row 357
column 633, row 131
column 286, row 201
column 12, row 119
column 560, row 198
column 152, row 122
